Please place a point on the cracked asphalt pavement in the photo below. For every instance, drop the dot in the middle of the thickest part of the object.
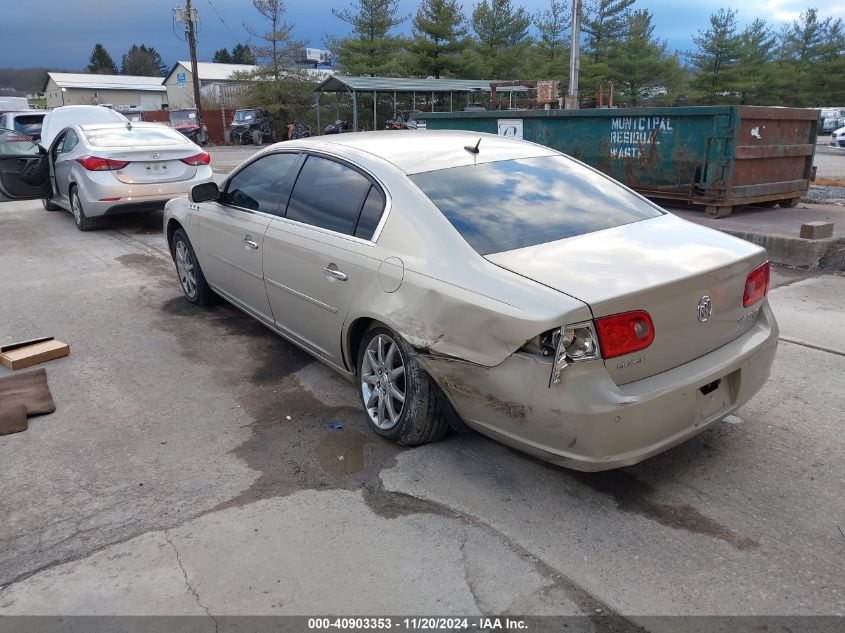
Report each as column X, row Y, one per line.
column 190, row 469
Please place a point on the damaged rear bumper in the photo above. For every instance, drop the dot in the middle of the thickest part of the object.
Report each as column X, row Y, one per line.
column 590, row 423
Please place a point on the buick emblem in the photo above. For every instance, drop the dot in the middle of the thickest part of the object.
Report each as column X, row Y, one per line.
column 156, row 155
column 705, row 308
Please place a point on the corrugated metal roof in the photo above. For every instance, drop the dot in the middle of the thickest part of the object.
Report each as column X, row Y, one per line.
column 107, row 82
column 211, row 71
column 402, row 84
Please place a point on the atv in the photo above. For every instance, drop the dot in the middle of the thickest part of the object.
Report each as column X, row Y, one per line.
column 186, row 121
column 251, row 126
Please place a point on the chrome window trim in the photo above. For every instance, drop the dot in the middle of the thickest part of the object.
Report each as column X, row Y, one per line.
column 388, row 198
column 253, row 159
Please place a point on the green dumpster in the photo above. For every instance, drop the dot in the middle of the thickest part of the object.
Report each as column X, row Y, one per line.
column 716, row 156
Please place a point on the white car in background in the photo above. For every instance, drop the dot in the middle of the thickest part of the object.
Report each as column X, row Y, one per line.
column 95, row 163
column 837, row 138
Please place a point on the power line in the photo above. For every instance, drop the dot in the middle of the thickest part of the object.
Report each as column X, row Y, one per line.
column 234, row 37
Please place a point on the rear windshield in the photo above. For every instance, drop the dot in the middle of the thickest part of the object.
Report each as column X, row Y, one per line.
column 29, row 124
column 511, row 204
column 125, row 137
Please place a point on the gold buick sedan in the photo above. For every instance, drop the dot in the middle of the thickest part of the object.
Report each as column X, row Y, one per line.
column 469, row 280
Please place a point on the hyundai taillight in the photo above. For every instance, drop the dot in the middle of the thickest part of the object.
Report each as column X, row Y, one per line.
column 203, row 158
column 756, row 285
column 95, row 163
column 624, row 333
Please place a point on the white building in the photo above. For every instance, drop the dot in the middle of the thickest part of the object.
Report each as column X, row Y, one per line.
column 217, row 82
column 126, row 91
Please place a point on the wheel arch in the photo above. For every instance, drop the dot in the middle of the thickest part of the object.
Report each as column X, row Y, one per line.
column 354, row 334
column 172, row 226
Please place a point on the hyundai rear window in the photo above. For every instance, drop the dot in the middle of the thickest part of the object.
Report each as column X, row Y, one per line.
column 130, row 137
column 512, row 204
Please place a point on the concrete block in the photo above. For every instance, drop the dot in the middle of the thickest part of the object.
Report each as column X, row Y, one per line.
column 816, row 230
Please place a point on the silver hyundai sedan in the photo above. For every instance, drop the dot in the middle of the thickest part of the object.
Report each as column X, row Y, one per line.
column 102, row 169
column 469, row 280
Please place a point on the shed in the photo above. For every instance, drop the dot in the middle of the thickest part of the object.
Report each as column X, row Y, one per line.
column 354, row 86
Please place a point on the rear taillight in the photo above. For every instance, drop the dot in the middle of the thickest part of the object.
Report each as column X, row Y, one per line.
column 94, row 163
column 756, row 285
column 621, row 334
column 203, row 158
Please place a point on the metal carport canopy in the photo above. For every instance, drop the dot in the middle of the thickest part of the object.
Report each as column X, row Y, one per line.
column 354, row 85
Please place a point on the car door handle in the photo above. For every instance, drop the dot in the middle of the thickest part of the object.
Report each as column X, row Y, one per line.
column 334, row 272
column 249, row 242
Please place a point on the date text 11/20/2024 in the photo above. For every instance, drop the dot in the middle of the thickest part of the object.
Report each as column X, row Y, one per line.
column 480, row 623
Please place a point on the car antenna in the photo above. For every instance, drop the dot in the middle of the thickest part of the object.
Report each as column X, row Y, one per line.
column 471, row 149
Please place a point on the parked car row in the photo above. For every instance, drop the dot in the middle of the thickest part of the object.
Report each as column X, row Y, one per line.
column 461, row 280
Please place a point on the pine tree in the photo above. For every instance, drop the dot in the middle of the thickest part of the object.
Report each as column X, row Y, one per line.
column 100, row 62
column 756, row 79
column 142, row 60
column 440, row 36
column 242, row 54
column 552, row 24
column 811, row 61
column 371, row 48
column 605, row 22
column 641, row 67
column 502, row 38
column 715, row 59
column 278, row 48
column 222, row 56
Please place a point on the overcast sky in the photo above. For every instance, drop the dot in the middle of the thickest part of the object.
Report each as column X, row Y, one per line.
column 64, row 31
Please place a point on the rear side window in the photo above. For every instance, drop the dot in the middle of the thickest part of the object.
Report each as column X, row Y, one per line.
column 130, row 137
column 370, row 214
column 262, row 185
column 29, row 124
column 512, row 204
column 329, row 195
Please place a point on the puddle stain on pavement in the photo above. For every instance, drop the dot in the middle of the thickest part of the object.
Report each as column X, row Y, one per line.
column 291, row 446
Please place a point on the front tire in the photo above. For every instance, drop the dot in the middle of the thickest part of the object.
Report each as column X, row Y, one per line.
column 399, row 398
column 83, row 222
column 191, row 277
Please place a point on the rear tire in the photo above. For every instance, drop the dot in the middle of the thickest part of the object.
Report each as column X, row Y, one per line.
column 191, row 278
column 83, row 222
column 48, row 205
column 788, row 203
column 400, row 399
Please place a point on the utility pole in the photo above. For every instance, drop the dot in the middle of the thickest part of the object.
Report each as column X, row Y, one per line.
column 575, row 57
column 189, row 17
column 193, row 16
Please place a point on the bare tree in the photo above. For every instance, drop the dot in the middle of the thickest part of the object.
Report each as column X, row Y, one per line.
column 277, row 50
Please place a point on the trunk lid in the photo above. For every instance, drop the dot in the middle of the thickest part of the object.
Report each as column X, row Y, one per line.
column 153, row 165
column 664, row 266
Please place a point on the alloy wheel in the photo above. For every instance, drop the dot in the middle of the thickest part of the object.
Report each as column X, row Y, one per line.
column 185, row 268
column 383, row 381
column 76, row 206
